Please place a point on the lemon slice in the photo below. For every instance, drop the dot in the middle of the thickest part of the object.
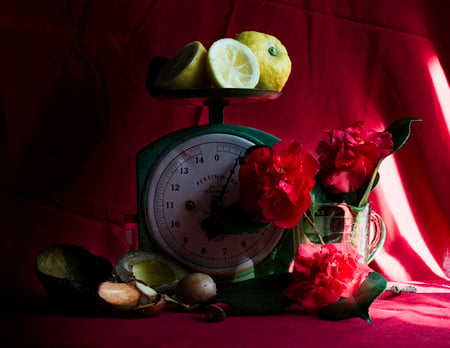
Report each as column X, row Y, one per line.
column 232, row 64
column 187, row 69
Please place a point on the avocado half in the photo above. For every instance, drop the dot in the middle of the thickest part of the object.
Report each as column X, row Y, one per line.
column 156, row 270
column 70, row 275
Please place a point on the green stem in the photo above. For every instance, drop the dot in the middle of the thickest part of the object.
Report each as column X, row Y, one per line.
column 273, row 51
column 369, row 188
column 313, row 225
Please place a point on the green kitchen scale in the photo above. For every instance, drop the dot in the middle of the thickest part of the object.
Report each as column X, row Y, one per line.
column 184, row 176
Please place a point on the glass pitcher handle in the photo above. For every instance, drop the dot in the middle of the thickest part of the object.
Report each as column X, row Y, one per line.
column 379, row 235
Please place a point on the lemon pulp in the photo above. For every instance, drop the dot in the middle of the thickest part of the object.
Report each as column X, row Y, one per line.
column 232, row 64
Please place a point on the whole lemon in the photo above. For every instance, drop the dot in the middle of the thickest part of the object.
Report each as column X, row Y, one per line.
column 273, row 59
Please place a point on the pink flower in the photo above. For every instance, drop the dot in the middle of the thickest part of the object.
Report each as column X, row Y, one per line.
column 275, row 184
column 324, row 274
column 349, row 159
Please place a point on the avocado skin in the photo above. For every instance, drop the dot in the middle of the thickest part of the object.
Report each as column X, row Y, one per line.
column 75, row 293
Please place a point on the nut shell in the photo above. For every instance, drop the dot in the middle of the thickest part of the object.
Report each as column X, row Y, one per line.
column 127, row 261
column 215, row 313
column 150, row 309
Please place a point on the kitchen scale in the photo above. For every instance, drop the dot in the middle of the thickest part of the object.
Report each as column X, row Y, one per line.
column 183, row 177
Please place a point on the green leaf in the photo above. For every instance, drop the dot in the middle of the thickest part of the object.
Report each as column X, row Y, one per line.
column 249, row 150
column 358, row 305
column 318, row 195
column 258, row 296
column 232, row 219
column 321, row 195
column 280, row 258
column 400, row 131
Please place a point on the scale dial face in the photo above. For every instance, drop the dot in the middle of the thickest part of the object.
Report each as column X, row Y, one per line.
column 180, row 193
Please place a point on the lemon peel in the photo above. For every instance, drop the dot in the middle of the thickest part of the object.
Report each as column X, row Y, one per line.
column 273, row 59
column 186, row 69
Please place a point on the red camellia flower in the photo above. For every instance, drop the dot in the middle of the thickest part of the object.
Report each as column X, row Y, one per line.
column 324, row 274
column 349, row 159
column 275, row 184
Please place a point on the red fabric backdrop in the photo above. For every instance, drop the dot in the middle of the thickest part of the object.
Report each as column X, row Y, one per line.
column 74, row 112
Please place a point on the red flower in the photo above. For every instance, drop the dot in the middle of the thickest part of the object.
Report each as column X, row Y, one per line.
column 349, row 159
column 275, row 184
column 324, row 274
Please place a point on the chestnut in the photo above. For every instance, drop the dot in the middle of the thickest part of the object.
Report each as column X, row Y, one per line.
column 196, row 288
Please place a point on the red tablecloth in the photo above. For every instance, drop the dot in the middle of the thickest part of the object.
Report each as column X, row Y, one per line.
column 74, row 112
column 408, row 320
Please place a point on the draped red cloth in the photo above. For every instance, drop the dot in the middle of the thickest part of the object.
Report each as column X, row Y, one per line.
column 74, row 112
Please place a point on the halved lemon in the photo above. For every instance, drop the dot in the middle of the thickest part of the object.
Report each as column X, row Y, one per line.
column 186, row 69
column 232, row 64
